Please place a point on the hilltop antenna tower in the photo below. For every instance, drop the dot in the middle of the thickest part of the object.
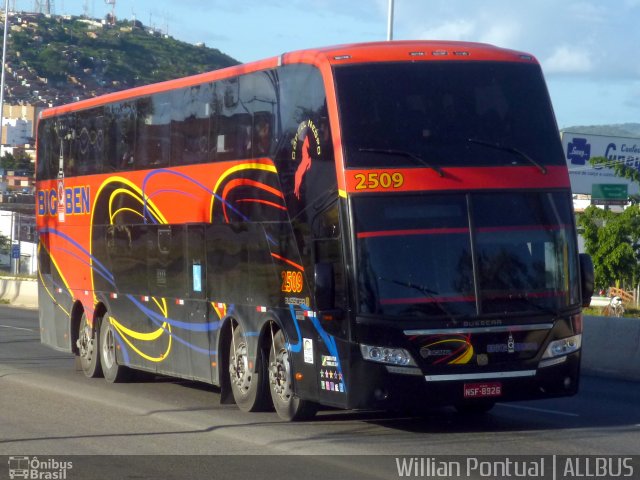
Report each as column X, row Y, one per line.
column 113, row 10
column 44, row 6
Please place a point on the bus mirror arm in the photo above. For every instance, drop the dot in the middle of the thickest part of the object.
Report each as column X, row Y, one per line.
column 586, row 279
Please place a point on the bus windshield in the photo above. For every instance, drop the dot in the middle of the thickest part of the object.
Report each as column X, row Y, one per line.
column 446, row 113
column 461, row 255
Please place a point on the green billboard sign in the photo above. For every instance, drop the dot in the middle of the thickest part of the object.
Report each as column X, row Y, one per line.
column 609, row 193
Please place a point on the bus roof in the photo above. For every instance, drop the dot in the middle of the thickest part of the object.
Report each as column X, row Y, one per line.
column 395, row 51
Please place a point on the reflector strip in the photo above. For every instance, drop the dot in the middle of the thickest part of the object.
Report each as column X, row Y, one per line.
column 179, row 301
column 261, row 309
column 491, row 329
column 480, row 376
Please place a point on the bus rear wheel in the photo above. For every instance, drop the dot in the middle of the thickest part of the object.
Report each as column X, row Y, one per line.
column 113, row 373
column 288, row 406
column 88, row 347
column 248, row 381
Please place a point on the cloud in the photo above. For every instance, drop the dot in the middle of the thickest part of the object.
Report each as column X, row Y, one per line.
column 454, row 30
column 633, row 97
column 502, row 34
column 566, row 59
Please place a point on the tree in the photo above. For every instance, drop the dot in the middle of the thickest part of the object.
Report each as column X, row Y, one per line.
column 614, row 246
column 620, row 168
column 613, row 241
column 24, row 162
column 19, row 161
column 8, row 161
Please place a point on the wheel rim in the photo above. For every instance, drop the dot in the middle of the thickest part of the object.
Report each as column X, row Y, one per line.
column 280, row 375
column 109, row 348
column 239, row 368
column 86, row 343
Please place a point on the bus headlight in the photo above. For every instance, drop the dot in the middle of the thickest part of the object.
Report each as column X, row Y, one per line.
column 391, row 356
column 565, row 346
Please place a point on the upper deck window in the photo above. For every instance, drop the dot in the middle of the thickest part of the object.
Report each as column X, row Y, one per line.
column 447, row 113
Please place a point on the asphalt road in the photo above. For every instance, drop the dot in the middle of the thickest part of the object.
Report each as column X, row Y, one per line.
column 48, row 408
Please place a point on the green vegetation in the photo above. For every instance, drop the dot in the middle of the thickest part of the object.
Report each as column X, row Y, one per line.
column 20, row 162
column 613, row 239
column 125, row 53
column 629, row 312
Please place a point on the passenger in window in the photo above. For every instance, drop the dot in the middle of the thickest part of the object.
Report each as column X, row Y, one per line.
column 70, row 167
column 262, row 134
column 126, row 162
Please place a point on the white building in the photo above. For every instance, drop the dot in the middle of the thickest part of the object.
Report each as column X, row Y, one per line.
column 18, row 227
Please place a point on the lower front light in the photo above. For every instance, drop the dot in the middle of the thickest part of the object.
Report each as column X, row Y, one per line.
column 390, row 356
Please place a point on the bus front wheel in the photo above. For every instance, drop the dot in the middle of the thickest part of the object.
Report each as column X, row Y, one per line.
column 248, row 381
column 88, row 347
column 288, row 406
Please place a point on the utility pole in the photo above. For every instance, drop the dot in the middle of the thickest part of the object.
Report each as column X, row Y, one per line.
column 4, row 61
column 390, row 22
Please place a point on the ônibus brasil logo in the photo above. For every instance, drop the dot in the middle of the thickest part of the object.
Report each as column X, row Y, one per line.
column 36, row 469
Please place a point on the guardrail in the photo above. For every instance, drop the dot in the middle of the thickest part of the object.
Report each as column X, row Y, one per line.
column 21, row 293
column 611, row 347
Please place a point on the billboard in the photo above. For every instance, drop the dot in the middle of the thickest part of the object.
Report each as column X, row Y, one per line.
column 580, row 147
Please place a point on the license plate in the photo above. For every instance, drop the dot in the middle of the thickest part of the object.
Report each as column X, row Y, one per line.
column 482, row 390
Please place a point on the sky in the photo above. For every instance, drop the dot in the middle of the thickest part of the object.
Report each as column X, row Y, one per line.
column 588, row 48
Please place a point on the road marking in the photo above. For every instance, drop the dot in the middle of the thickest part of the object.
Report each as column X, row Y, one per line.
column 18, row 328
column 541, row 410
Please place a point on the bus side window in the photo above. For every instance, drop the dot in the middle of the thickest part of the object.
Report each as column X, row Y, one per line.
column 262, row 134
column 190, row 124
column 122, row 117
column 153, row 131
column 46, row 150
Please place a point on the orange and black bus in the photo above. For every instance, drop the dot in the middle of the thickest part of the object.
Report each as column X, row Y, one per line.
column 371, row 225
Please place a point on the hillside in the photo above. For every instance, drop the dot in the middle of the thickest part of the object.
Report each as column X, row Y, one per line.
column 53, row 60
column 619, row 130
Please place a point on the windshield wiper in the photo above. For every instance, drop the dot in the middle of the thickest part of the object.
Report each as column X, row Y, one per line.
column 424, row 290
column 533, row 306
column 508, row 148
column 404, row 153
column 427, row 292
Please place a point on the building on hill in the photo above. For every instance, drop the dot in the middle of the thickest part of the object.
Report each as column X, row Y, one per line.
column 19, row 124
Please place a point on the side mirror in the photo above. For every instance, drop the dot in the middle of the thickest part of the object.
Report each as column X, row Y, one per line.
column 586, row 279
column 325, row 289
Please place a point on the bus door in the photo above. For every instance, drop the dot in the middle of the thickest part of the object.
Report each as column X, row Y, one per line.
column 333, row 350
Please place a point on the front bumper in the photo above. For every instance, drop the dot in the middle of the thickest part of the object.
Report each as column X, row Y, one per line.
column 378, row 386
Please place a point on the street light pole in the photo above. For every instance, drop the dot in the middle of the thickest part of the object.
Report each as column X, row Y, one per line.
column 390, row 22
column 4, row 59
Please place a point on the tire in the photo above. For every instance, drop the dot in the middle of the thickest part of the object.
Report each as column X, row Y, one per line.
column 113, row 373
column 89, row 349
column 287, row 405
column 475, row 408
column 248, row 386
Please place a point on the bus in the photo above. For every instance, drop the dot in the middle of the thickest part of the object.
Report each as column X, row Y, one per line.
column 381, row 225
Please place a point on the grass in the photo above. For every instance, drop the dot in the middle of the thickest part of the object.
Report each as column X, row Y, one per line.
column 630, row 312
